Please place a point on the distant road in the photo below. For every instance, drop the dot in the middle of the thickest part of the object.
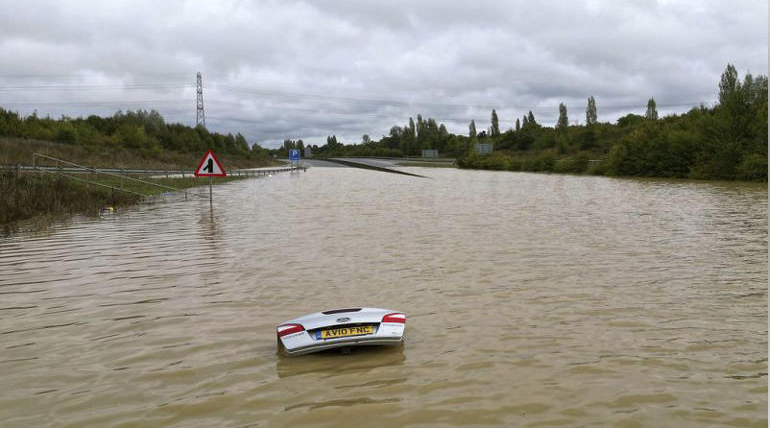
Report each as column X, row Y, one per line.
column 322, row 163
column 383, row 165
column 377, row 162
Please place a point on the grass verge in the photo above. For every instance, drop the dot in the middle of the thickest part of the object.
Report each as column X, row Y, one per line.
column 32, row 201
column 19, row 151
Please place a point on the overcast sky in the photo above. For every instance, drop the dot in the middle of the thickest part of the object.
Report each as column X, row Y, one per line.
column 293, row 69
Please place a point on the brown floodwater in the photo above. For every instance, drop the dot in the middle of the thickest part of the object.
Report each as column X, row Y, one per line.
column 532, row 300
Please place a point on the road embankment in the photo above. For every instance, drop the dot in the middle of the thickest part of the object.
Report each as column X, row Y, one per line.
column 369, row 166
column 33, row 201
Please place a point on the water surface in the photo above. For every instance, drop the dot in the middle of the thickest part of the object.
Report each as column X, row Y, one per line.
column 533, row 300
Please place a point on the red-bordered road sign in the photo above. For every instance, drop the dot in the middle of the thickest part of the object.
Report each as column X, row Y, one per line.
column 210, row 166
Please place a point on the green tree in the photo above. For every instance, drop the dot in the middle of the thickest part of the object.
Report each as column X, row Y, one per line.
column 66, row 133
column 531, row 118
column 495, row 131
column 432, row 134
column 332, row 143
column 422, row 133
column 518, row 125
column 728, row 84
column 591, row 111
column 563, row 123
column 472, row 129
column 411, row 139
column 655, row 150
column 652, row 111
column 241, row 144
column 133, row 136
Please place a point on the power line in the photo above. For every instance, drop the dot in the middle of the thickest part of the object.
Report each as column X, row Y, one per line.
column 92, row 103
column 535, row 108
column 301, row 95
column 87, row 73
column 322, row 97
column 30, row 88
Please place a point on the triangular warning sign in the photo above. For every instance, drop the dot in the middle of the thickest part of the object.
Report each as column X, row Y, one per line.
column 210, row 167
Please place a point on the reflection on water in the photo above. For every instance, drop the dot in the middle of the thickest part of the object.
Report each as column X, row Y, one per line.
column 334, row 362
column 533, row 300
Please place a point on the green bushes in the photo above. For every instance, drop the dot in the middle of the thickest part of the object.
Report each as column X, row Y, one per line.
column 35, row 195
column 725, row 142
column 753, row 167
column 495, row 161
column 575, row 165
column 652, row 150
column 66, row 133
column 545, row 161
column 141, row 132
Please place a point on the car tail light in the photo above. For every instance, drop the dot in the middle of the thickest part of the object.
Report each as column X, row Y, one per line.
column 397, row 317
column 285, row 329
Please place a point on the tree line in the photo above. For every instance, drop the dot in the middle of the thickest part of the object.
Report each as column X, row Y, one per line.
column 726, row 141
column 143, row 132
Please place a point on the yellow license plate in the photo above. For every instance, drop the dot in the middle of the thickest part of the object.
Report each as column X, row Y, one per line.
column 347, row 331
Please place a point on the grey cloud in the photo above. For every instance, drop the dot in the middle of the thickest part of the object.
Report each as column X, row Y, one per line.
column 302, row 69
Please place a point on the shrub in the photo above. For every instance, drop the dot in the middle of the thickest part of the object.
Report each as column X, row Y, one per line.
column 753, row 167
column 577, row 164
column 543, row 162
column 66, row 133
column 597, row 168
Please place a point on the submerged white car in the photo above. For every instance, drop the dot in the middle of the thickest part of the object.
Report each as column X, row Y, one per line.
column 341, row 328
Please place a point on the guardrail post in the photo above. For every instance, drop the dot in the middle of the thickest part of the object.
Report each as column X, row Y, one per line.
column 18, row 170
column 166, row 172
column 121, row 178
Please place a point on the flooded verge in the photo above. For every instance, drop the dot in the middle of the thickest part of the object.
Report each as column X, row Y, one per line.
column 532, row 300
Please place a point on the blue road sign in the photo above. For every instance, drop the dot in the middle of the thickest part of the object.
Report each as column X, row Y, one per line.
column 294, row 154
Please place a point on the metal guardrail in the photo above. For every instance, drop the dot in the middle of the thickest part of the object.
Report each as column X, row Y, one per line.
column 155, row 172
column 59, row 170
column 99, row 170
column 123, row 173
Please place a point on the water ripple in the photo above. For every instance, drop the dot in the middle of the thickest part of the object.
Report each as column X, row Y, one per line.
column 532, row 300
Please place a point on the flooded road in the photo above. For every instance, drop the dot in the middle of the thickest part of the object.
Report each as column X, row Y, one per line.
column 532, row 300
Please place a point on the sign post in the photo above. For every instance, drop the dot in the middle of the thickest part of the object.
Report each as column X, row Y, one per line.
column 210, row 167
column 294, row 156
